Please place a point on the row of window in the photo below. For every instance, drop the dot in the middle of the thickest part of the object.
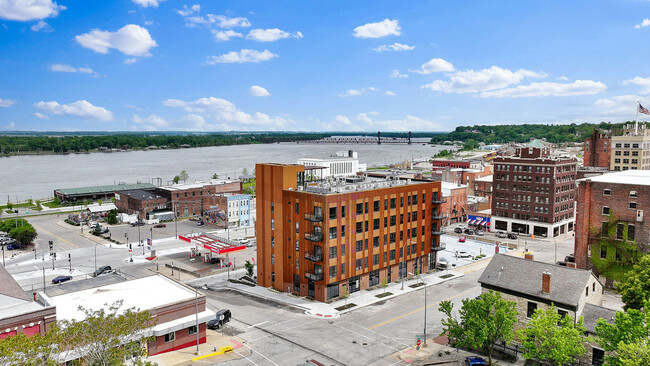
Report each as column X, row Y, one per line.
column 632, row 194
column 626, row 161
column 362, row 263
column 626, row 153
column 626, row 145
column 606, row 210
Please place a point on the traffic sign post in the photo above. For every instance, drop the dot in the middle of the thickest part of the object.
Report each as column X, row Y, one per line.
column 418, row 343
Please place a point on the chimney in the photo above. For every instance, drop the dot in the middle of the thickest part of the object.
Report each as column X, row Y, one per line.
column 35, row 296
column 571, row 265
column 546, row 282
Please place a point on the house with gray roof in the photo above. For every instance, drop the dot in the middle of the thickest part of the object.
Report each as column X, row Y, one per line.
column 536, row 285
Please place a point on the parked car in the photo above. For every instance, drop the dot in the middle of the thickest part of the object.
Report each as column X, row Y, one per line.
column 442, row 264
column 250, row 244
column 244, row 241
column 469, row 231
column 159, row 225
column 512, row 235
column 464, row 255
column 458, row 230
column 14, row 245
column 101, row 270
column 570, row 258
column 217, row 322
column 137, row 223
column 479, row 232
column 461, row 239
column 501, row 234
column 474, row 361
column 61, row 279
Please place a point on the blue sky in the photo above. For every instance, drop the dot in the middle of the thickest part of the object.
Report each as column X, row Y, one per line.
column 139, row 65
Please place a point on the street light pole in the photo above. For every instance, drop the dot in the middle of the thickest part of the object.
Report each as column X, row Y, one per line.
column 96, row 256
column 196, row 302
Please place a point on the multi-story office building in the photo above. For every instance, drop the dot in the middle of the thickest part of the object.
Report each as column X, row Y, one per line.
column 326, row 238
column 598, row 149
column 534, row 193
column 610, row 211
column 631, row 150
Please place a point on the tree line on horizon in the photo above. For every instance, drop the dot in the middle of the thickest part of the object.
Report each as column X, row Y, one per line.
column 498, row 134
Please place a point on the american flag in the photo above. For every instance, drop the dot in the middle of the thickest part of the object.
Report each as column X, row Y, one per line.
column 643, row 109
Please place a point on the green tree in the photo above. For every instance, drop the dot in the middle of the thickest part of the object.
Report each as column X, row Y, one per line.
column 249, row 268
column 244, row 172
column 630, row 331
column 215, row 176
column 184, row 176
column 30, row 202
column 384, row 284
column 24, row 235
column 99, row 202
column 633, row 354
column 177, row 178
column 552, row 339
column 10, row 205
column 635, row 288
column 111, row 218
column 470, row 144
column 483, row 322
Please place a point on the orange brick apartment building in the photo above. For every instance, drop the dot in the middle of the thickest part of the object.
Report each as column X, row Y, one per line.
column 324, row 238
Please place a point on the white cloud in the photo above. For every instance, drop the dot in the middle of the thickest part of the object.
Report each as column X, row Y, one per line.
column 25, row 10
column 130, row 60
column 389, row 93
column 222, row 36
column 187, row 11
column 258, row 91
column 644, row 82
column 147, row 3
column 68, row 68
column 225, row 114
column 621, row 106
column 471, row 81
column 271, row 35
column 6, row 103
column 351, row 93
column 364, row 118
column 243, row 56
column 394, row 47
column 563, row 78
column 41, row 115
column 151, row 123
column 644, row 23
column 435, row 65
column 545, row 89
column 342, row 120
column 396, row 74
column 384, row 28
column 193, row 18
column 366, row 122
column 131, row 40
column 226, row 22
column 9, row 126
column 41, row 26
column 79, row 108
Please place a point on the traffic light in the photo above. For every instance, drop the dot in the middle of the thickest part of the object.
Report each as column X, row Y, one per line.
column 51, row 245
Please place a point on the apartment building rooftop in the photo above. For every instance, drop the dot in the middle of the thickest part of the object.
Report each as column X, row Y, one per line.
column 197, row 184
column 353, row 184
column 634, row 177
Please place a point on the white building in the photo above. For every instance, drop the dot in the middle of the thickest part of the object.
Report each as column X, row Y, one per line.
column 343, row 163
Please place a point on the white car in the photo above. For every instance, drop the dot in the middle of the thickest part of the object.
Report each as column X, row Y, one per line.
column 464, row 255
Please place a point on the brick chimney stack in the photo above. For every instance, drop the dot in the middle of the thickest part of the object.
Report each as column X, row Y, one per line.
column 546, row 282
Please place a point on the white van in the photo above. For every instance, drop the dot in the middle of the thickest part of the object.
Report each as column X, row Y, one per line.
column 442, row 264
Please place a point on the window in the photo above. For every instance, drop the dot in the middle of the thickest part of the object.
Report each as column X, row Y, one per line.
column 272, row 224
column 375, row 206
column 392, row 254
column 375, row 259
column 332, row 213
column 607, row 192
column 342, row 251
column 297, row 208
column 631, row 231
column 359, row 227
column 375, row 242
column 393, row 203
column 332, row 252
column 632, row 205
column 343, row 231
column 532, row 306
column 297, row 245
column 332, row 271
column 272, row 206
column 392, row 238
column 587, row 291
column 392, row 220
column 359, row 264
column 634, row 194
column 343, row 269
column 170, row 337
column 620, row 228
column 366, row 205
column 272, row 276
column 359, row 245
column 272, row 258
column 192, row 329
column 343, row 211
column 603, row 252
column 365, row 262
column 375, row 224
column 605, row 210
column 359, row 208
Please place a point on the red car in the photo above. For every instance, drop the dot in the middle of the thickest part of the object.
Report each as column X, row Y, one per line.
column 461, row 239
column 160, row 225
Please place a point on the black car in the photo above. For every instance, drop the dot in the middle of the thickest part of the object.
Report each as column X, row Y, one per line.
column 217, row 322
column 102, row 270
column 458, row 230
column 60, row 279
column 14, row 245
column 512, row 235
column 469, row 231
column 570, row 258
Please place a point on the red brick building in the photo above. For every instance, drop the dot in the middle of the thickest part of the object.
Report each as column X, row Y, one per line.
column 455, row 206
column 141, row 202
column 534, row 193
column 443, row 163
column 598, row 149
column 193, row 199
column 618, row 197
column 320, row 239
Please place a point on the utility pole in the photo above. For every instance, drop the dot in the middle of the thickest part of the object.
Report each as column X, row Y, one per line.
column 70, row 261
column 196, row 304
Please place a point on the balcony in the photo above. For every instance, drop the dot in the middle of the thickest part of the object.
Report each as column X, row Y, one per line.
column 437, row 216
column 438, row 232
column 314, row 237
column 314, row 256
column 314, row 217
column 314, row 276
column 438, row 200
column 439, row 247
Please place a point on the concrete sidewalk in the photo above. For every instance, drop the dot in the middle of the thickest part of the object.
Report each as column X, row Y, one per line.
column 329, row 310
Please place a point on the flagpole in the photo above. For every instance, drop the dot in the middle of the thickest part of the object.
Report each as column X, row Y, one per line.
column 636, row 120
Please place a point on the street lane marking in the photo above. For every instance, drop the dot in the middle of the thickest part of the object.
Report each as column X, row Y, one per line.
column 257, row 325
column 56, row 236
column 420, row 309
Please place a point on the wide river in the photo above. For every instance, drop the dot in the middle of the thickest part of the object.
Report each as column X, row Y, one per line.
column 36, row 177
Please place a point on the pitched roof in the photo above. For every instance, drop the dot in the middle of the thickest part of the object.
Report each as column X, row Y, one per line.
column 10, row 291
column 104, row 189
column 592, row 313
column 524, row 276
column 536, row 143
